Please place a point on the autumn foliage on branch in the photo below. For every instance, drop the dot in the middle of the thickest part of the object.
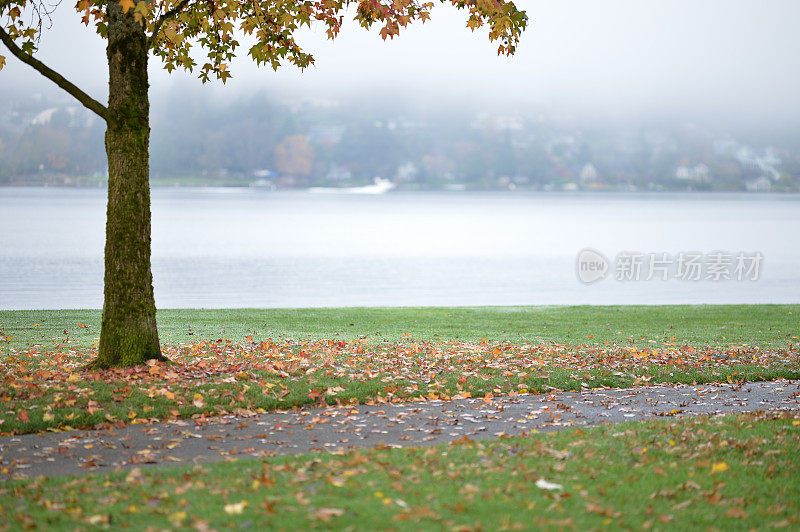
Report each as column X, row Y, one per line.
column 175, row 27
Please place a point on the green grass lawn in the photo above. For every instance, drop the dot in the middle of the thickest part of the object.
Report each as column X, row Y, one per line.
column 738, row 472
column 763, row 325
column 258, row 360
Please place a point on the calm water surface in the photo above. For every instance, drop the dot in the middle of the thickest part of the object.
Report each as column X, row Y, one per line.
column 253, row 248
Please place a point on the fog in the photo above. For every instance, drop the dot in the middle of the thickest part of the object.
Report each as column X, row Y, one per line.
column 732, row 60
column 605, row 101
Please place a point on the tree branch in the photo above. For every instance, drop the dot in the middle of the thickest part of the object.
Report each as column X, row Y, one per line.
column 87, row 101
column 162, row 19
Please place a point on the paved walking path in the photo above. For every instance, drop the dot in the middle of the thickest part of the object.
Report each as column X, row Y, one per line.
column 342, row 428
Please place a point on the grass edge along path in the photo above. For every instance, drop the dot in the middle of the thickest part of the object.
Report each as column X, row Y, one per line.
column 725, row 472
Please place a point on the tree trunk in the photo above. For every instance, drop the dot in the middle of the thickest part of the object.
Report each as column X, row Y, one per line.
column 128, row 335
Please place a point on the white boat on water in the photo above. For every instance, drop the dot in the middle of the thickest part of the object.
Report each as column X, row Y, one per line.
column 378, row 186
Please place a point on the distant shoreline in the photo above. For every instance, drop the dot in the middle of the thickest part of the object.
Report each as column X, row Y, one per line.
column 407, row 189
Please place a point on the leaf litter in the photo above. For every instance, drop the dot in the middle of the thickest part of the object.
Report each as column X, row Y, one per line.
column 46, row 388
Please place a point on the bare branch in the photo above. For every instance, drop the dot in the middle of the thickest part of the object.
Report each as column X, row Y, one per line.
column 162, row 19
column 87, row 101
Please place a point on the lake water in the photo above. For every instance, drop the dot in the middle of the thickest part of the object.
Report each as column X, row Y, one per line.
column 255, row 248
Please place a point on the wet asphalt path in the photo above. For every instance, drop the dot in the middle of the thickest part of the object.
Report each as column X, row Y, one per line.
column 344, row 428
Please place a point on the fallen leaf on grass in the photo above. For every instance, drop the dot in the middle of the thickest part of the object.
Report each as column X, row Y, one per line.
column 719, row 467
column 236, row 508
column 600, row 510
column 176, row 518
column 737, row 513
column 134, row 476
column 325, row 514
column 549, row 486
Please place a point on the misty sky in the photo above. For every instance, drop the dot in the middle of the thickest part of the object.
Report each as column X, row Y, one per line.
column 603, row 57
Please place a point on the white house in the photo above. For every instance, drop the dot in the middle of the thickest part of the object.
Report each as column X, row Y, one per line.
column 692, row 173
column 589, row 174
column 760, row 184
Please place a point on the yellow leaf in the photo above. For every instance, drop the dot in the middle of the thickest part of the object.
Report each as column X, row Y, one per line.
column 235, row 508
column 127, row 5
column 172, row 35
column 719, row 467
column 98, row 519
column 73, row 378
column 48, row 416
column 177, row 518
column 197, row 400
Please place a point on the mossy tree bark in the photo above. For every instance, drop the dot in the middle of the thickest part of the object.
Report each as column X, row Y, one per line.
column 128, row 335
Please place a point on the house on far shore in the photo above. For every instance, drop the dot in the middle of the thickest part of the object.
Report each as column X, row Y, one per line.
column 759, row 184
column 589, row 174
column 697, row 173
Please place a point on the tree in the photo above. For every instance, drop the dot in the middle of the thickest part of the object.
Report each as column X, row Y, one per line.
column 170, row 30
column 294, row 156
